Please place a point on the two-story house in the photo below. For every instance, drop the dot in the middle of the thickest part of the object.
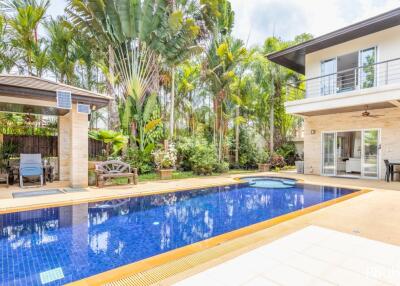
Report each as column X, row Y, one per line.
column 350, row 100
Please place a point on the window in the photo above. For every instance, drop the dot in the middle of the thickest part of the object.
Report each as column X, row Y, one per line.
column 367, row 61
column 328, row 79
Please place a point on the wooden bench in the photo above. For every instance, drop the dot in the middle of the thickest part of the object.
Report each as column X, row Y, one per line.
column 115, row 169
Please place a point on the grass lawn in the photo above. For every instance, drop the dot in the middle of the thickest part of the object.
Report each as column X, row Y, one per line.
column 185, row 175
column 177, row 175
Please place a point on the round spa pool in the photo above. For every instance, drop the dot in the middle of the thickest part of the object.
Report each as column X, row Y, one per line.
column 270, row 182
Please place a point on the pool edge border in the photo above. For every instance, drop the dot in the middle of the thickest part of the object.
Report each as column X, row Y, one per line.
column 72, row 202
column 135, row 268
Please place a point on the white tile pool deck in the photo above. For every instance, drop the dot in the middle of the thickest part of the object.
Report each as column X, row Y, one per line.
column 311, row 256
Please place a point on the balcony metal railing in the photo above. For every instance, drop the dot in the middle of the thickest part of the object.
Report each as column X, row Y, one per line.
column 367, row 76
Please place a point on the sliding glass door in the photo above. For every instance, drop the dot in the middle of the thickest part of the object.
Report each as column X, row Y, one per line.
column 328, row 154
column 361, row 158
column 370, row 162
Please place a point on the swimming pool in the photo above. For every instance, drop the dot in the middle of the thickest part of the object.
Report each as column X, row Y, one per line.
column 54, row 246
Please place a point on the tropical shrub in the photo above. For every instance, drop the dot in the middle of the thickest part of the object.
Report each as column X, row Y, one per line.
column 221, row 168
column 248, row 150
column 6, row 151
column 186, row 147
column 140, row 159
column 165, row 159
column 204, row 159
column 113, row 140
column 277, row 161
column 288, row 151
column 262, row 157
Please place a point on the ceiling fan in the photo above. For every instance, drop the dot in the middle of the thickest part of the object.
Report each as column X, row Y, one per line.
column 366, row 113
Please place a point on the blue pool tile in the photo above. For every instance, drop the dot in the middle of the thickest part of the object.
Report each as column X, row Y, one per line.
column 55, row 246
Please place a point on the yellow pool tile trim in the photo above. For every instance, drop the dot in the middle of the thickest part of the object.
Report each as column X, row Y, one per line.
column 175, row 261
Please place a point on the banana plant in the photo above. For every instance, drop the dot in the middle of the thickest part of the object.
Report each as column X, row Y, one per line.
column 114, row 141
column 140, row 119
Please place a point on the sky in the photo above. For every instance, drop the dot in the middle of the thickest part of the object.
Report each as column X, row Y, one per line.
column 255, row 20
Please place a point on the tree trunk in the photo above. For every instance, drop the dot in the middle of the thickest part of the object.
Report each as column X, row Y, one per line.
column 221, row 135
column 171, row 115
column 113, row 118
column 271, row 125
column 237, row 136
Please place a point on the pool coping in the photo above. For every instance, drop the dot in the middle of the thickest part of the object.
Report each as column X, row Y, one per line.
column 72, row 202
column 135, row 268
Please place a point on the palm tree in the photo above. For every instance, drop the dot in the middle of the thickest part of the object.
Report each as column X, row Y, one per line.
column 222, row 56
column 278, row 77
column 222, row 60
column 61, row 49
column 7, row 57
column 188, row 86
column 134, row 33
column 87, row 55
column 40, row 57
column 24, row 19
column 185, row 35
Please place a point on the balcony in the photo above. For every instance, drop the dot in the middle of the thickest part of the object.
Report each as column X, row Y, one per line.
column 346, row 88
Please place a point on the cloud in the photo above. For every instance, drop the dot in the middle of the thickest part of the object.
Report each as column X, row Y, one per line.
column 287, row 18
column 255, row 20
column 279, row 18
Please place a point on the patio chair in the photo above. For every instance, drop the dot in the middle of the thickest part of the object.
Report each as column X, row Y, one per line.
column 30, row 166
column 390, row 171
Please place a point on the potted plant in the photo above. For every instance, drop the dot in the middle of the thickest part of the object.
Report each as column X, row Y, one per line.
column 263, row 161
column 165, row 160
column 6, row 152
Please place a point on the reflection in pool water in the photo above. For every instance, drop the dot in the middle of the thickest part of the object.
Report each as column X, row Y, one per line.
column 54, row 246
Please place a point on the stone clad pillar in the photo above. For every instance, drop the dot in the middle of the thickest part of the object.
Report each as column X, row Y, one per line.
column 73, row 148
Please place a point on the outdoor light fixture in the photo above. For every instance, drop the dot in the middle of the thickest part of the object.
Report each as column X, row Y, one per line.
column 83, row 108
column 312, row 131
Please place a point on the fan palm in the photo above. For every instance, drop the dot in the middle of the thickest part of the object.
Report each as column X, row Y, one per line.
column 140, row 34
column 129, row 30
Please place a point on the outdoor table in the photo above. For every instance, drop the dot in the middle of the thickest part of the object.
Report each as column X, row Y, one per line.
column 392, row 164
column 4, row 177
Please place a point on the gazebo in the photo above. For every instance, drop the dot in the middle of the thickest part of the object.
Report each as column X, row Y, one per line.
column 72, row 105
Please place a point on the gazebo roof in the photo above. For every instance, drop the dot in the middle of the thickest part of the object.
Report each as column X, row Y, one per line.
column 34, row 88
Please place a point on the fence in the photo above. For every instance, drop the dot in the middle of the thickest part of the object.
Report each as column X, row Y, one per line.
column 46, row 145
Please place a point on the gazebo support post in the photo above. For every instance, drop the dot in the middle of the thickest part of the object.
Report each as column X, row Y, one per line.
column 73, row 148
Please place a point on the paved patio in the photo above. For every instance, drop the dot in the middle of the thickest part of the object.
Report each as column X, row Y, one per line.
column 311, row 256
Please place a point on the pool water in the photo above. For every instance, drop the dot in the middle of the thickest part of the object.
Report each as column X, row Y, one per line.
column 275, row 183
column 54, row 246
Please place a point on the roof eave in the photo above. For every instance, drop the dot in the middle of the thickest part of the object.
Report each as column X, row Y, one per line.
column 354, row 31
